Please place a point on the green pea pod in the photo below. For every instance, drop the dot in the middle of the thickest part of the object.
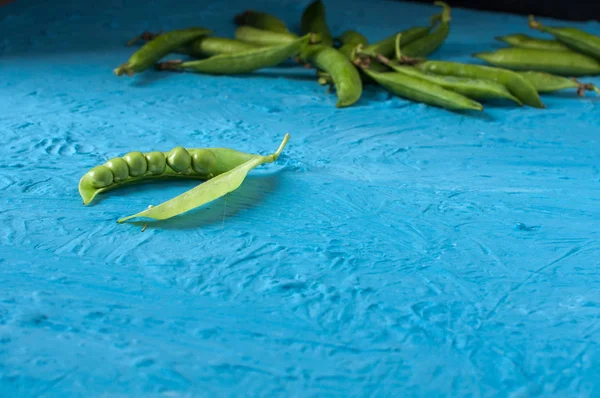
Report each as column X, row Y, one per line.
column 314, row 21
column 241, row 62
column 261, row 20
column 575, row 39
column 419, row 90
column 204, row 46
column 548, row 83
column 154, row 50
column 566, row 63
column 207, row 46
column 207, row 191
column 431, row 42
column 386, row 46
column 352, row 37
column 525, row 41
column 349, row 41
column 346, row 78
column 477, row 89
column 515, row 83
column 263, row 37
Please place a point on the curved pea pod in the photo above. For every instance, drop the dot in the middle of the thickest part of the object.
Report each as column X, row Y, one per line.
column 566, row 63
column 344, row 74
column 261, row 20
column 515, row 83
column 419, row 90
column 524, row 41
column 548, row 83
column 242, row 62
column 264, row 37
column 477, row 89
column 386, row 46
column 314, row 20
column 154, row 50
column 208, row 191
column 432, row 41
column 179, row 162
column 575, row 39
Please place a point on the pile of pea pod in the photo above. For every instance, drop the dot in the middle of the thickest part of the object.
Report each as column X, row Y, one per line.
column 397, row 63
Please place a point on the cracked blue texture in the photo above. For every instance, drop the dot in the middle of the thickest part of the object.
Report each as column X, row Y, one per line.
column 395, row 249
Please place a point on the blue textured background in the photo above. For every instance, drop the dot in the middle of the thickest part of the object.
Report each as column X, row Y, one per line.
column 394, row 249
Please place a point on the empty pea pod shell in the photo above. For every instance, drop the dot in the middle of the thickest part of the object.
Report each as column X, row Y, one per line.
column 154, row 50
column 261, row 20
column 524, row 41
column 566, row 63
column 208, row 191
column 241, row 62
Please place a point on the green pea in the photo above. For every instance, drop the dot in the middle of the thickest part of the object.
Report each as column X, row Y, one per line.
column 525, row 41
column 137, row 163
column 179, row 159
column 263, row 37
column 203, row 161
column 119, row 168
column 100, row 177
column 157, row 164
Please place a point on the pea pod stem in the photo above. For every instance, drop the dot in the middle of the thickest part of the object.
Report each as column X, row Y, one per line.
column 208, row 191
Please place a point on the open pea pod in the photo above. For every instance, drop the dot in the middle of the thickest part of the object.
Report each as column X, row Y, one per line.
column 207, row 191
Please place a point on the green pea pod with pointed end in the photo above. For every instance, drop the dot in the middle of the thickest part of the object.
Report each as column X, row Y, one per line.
column 419, row 90
column 349, row 41
column 575, row 39
column 154, row 50
column 477, row 89
column 208, row 191
column 515, row 83
column 385, row 47
column 431, row 42
column 242, row 62
column 208, row 46
column 548, row 83
column 345, row 76
column 352, row 37
column 261, row 20
column 565, row 63
column 314, row 20
column 261, row 37
column 524, row 41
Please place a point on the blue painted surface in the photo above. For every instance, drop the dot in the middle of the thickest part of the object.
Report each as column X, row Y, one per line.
column 394, row 250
